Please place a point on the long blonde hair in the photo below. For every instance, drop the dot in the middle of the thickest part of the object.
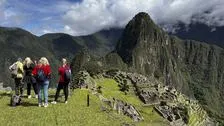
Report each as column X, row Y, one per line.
column 27, row 62
column 44, row 61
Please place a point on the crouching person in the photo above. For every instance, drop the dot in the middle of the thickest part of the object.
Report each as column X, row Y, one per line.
column 65, row 77
column 42, row 72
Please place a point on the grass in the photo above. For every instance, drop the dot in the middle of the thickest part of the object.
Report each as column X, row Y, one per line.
column 75, row 112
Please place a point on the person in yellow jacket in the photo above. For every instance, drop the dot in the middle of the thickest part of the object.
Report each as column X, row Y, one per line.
column 19, row 76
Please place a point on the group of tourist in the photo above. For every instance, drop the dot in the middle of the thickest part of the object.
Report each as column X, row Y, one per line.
column 38, row 75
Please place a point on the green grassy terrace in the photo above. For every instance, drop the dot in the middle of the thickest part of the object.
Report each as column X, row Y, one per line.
column 76, row 111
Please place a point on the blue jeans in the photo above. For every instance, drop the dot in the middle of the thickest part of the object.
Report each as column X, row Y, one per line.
column 43, row 91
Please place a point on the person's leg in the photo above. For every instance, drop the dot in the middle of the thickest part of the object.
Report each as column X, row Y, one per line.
column 39, row 88
column 21, row 85
column 16, row 86
column 28, row 88
column 69, row 89
column 65, row 87
column 35, row 88
column 46, row 84
column 58, row 91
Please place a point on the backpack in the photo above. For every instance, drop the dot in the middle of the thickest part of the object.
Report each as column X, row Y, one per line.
column 40, row 75
column 14, row 70
column 15, row 100
column 67, row 75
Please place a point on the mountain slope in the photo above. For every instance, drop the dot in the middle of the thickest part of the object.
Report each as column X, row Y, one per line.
column 194, row 68
column 98, row 43
column 16, row 42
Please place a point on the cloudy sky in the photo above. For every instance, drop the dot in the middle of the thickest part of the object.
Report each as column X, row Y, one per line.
column 82, row 17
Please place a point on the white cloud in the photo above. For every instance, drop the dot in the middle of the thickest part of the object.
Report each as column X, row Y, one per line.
column 2, row 2
column 90, row 16
column 94, row 15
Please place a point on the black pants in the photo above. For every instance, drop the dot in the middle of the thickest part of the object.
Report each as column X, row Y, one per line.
column 34, row 88
column 63, row 86
column 19, row 86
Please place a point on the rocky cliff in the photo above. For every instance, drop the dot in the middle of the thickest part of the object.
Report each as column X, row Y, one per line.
column 195, row 68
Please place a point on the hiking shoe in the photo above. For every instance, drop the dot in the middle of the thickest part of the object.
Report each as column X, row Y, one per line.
column 53, row 102
column 66, row 102
column 39, row 105
column 45, row 105
column 29, row 96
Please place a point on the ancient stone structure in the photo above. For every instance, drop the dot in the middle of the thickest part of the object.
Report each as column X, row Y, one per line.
column 123, row 108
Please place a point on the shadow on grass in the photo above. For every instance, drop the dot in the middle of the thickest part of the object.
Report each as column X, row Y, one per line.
column 5, row 94
column 24, row 104
column 28, row 104
column 2, row 95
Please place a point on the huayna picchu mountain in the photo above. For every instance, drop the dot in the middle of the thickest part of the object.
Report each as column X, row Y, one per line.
column 194, row 68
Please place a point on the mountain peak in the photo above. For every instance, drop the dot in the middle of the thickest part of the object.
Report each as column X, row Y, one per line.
column 140, row 32
column 142, row 15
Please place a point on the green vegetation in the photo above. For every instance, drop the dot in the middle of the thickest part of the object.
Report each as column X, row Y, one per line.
column 75, row 112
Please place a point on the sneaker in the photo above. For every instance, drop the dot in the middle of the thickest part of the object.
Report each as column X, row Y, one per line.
column 66, row 102
column 29, row 96
column 45, row 105
column 39, row 105
column 36, row 96
column 53, row 102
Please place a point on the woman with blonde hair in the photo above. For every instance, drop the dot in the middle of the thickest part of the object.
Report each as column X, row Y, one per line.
column 42, row 72
column 28, row 78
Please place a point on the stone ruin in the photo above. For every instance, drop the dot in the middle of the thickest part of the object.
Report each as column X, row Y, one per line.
column 123, row 108
column 81, row 79
column 149, row 97
column 148, row 89
column 172, row 113
column 119, row 75
column 126, row 109
column 8, row 89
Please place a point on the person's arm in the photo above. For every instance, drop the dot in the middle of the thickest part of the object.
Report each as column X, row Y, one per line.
column 49, row 72
column 21, row 68
column 34, row 72
column 10, row 67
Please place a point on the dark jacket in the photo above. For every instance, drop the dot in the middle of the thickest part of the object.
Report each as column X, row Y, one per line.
column 28, row 78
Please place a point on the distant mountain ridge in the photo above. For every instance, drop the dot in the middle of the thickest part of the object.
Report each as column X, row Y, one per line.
column 16, row 42
column 202, row 32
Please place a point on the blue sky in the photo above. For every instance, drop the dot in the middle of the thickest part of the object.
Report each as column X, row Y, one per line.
column 84, row 17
